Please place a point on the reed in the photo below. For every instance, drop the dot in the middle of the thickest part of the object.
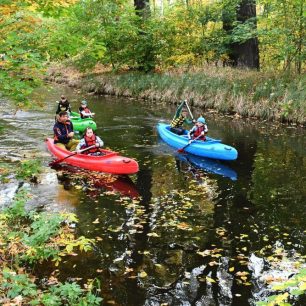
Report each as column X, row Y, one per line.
column 247, row 93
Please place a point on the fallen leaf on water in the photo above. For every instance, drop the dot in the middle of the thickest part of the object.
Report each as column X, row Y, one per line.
column 204, row 253
column 213, row 263
column 211, row 280
column 96, row 221
column 153, row 235
column 143, row 274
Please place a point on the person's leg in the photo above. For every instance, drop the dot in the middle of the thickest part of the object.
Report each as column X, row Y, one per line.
column 181, row 131
column 72, row 144
column 178, row 131
column 61, row 145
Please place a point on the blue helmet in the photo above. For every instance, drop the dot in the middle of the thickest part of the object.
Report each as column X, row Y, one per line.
column 84, row 102
column 201, row 120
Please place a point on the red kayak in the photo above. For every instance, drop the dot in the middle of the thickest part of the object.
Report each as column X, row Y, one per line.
column 111, row 162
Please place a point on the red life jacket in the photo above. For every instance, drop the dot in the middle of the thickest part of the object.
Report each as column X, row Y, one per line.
column 86, row 110
column 90, row 141
column 198, row 132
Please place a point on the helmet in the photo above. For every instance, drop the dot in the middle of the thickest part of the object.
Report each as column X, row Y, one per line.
column 201, row 120
column 84, row 102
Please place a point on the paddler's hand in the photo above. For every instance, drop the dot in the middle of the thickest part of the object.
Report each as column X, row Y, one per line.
column 71, row 134
column 97, row 145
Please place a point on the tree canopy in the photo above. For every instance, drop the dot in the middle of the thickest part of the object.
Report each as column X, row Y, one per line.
column 173, row 34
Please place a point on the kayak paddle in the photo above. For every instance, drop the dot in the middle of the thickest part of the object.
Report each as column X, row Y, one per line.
column 181, row 150
column 74, row 153
column 189, row 109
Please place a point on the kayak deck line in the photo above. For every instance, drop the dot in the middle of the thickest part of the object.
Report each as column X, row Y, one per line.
column 107, row 155
column 207, row 141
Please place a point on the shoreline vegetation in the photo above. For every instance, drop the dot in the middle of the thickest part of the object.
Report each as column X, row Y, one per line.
column 34, row 238
column 233, row 91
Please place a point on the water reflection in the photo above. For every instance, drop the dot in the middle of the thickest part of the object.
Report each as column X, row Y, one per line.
column 190, row 163
column 95, row 183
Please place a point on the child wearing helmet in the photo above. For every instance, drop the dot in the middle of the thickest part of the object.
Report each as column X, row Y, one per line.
column 199, row 130
column 85, row 111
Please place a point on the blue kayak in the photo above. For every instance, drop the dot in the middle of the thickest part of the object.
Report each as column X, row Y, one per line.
column 211, row 148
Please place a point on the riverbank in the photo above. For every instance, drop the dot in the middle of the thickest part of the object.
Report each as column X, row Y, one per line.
column 228, row 91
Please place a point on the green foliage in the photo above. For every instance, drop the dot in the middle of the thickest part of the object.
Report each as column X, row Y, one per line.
column 17, row 208
column 111, row 34
column 42, row 235
column 21, row 285
column 29, row 237
column 294, row 287
column 16, row 284
column 29, row 169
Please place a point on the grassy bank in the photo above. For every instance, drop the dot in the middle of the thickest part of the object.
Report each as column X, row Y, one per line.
column 226, row 90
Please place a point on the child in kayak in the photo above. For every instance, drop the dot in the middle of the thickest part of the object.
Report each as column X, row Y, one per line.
column 90, row 139
column 63, row 105
column 84, row 111
column 199, row 130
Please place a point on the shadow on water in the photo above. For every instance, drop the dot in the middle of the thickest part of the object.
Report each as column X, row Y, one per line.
column 184, row 230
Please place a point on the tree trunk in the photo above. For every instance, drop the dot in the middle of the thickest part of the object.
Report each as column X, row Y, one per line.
column 146, row 59
column 244, row 54
column 300, row 39
column 142, row 7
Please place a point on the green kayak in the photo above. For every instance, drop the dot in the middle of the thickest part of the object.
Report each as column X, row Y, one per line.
column 80, row 124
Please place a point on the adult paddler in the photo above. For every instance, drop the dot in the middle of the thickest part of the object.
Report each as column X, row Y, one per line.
column 180, row 118
column 63, row 133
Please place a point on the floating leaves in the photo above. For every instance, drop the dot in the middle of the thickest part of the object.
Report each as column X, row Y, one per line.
column 142, row 274
column 152, row 235
column 96, row 221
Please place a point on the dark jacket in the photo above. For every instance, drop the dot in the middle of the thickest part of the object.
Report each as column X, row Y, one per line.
column 63, row 107
column 61, row 130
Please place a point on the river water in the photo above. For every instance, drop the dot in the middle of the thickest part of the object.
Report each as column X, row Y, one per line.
column 184, row 230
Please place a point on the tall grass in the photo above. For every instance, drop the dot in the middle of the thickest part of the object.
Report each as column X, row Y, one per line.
column 247, row 93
